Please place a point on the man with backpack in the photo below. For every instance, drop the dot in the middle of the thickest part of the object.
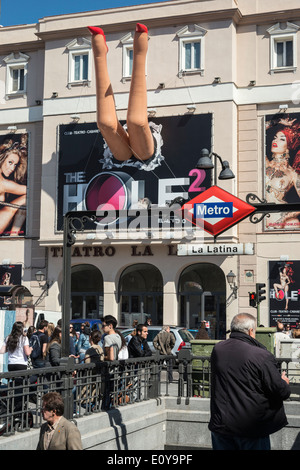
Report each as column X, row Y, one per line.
column 38, row 342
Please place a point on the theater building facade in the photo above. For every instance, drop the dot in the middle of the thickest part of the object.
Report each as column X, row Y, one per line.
column 222, row 76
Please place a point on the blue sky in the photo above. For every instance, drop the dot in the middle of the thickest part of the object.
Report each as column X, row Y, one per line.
column 15, row 12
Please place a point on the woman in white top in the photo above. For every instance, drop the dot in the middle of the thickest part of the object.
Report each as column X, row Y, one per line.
column 17, row 346
column 123, row 351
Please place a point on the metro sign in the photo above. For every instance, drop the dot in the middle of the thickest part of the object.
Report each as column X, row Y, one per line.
column 210, row 210
column 217, row 210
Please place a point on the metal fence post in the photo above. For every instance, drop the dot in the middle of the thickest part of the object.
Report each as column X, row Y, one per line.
column 153, row 380
column 67, row 387
column 184, row 357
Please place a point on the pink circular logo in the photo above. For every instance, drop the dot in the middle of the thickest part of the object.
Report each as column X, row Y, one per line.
column 106, row 191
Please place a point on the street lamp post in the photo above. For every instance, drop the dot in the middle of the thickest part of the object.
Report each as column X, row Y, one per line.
column 231, row 277
column 205, row 163
column 66, row 291
column 73, row 222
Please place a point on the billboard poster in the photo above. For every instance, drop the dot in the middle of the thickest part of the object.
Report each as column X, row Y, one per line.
column 13, row 184
column 7, row 319
column 90, row 177
column 284, row 290
column 282, row 168
column 10, row 275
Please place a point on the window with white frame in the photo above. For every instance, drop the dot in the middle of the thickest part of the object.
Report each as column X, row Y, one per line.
column 80, row 67
column 128, row 60
column 192, row 55
column 17, row 79
column 127, row 56
column 191, row 49
column 80, row 57
column 16, row 74
column 283, row 47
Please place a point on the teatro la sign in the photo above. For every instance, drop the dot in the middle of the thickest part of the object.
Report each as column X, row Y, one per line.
column 216, row 210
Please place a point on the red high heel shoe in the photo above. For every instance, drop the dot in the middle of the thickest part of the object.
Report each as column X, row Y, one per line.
column 141, row 28
column 95, row 30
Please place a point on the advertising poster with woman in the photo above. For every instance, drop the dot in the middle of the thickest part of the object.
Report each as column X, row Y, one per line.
column 284, row 279
column 13, row 184
column 10, row 275
column 90, row 177
column 282, row 168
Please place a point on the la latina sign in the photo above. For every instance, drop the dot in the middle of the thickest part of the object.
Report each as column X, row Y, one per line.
column 215, row 249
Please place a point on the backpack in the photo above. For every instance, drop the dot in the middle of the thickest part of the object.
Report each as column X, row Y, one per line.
column 36, row 346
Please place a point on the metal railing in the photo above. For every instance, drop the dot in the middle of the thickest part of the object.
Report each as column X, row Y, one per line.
column 85, row 388
column 88, row 389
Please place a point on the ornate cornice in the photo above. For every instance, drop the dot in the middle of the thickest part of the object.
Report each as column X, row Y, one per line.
column 114, row 22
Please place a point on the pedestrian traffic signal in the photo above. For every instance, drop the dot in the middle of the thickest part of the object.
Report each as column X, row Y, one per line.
column 252, row 299
column 259, row 292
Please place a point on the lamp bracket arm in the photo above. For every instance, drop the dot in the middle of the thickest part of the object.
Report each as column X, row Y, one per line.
column 217, row 156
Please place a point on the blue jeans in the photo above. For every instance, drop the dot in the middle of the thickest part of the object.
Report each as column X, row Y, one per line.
column 222, row 442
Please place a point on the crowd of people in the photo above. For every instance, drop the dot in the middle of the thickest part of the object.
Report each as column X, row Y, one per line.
column 28, row 347
column 251, row 365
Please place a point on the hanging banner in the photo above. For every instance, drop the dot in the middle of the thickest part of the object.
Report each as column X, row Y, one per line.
column 284, row 292
column 13, row 184
column 90, row 177
column 282, row 168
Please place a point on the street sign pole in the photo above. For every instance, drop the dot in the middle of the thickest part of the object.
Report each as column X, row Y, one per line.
column 258, row 314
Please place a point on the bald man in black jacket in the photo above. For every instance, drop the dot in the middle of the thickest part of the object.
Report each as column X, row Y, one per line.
column 247, row 390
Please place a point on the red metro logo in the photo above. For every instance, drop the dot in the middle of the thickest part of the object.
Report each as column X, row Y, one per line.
column 216, row 210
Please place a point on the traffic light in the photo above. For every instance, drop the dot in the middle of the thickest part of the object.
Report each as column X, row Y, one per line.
column 259, row 292
column 252, row 299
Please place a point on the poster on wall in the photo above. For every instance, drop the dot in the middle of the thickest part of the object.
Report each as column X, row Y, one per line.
column 90, row 177
column 13, row 184
column 7, row 319
column 282, row 168
column 10, row 275
column 284, row 289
